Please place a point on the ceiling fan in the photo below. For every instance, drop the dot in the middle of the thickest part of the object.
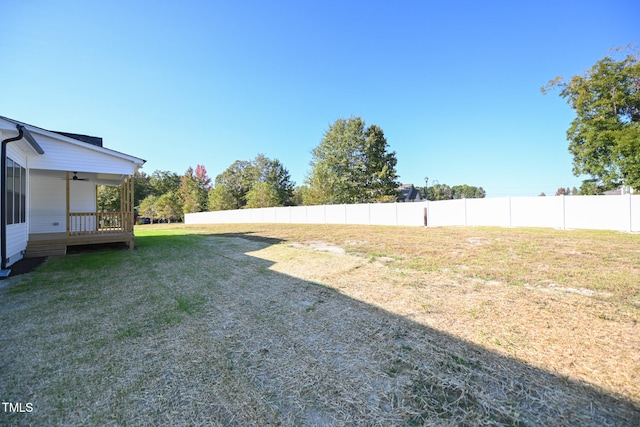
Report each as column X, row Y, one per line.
column 75, row 177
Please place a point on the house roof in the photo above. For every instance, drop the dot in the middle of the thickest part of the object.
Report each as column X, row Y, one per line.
column 408, row 192
column 91, row 142
column 94, row 140
column 623, row 189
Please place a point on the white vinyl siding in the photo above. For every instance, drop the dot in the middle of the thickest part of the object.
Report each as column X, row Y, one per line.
column 49, row 200
column 63, row 156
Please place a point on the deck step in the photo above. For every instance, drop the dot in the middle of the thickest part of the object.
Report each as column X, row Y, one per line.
column 37, row 249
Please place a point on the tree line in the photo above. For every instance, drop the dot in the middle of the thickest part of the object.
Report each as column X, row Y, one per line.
column 351, row 164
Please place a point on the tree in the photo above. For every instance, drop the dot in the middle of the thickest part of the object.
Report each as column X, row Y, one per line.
column 203, row 185
column 445, row 192
column 168, row 207
column 590, row 187
column 439, row 192
column 262, row 195
column 108, row 198
column 465, row 191
column 194, row 189
column 148, row 207
column 162, row 182
column 220, row 199
column 141, row 187
column 604, row 138
column 563, row 191
column 237, row 180
column 273, row 173
column 299, row 195
column 352, row 165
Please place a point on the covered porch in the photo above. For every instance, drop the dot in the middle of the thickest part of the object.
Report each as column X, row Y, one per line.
column 85, row 222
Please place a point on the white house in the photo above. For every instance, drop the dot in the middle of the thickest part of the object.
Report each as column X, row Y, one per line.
column 48, row 192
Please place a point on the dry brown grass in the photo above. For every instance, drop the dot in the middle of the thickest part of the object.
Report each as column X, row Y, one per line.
column 326, row 325
column 566, row 301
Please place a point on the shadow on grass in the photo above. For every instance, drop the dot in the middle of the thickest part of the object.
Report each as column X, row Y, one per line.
column 417, row 375
column 529, row 386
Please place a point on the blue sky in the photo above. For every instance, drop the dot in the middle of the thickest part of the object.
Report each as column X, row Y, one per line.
column 454, row 85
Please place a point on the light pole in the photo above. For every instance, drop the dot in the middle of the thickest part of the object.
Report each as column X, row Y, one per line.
column 426, row 188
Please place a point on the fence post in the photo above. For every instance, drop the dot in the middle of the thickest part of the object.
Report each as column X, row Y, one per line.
column 630, row 213
column 564, row 213
column 396, row 213
column 425, row 214
column 465, row 211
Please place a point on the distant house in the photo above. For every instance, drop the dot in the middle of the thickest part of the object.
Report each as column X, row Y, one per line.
column 622, row 190
column 48, row 189
column 408, row 193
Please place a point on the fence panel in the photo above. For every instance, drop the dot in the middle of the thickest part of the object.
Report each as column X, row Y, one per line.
column 298, row 214
column 446, row 213
column 358, row 214
column 537, row 212
column 410, row 214
column 384, row 214
column 315, row 215
column 335, row 214
column 488, row 212
column 598, row 212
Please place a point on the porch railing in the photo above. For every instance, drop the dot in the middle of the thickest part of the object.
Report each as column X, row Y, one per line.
column 86, row 223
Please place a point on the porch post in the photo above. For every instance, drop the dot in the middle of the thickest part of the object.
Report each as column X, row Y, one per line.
column 127, row 206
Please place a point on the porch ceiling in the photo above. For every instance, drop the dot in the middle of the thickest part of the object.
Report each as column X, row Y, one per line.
column 85, row 176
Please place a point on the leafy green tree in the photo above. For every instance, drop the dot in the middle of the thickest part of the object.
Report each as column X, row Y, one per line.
column 445, row 192
column 168, row 207
column 591, row 187
column 194, row 189
column 320, row 185
column 262, row 195
column 148, row 207
column 220, row 199
column 237, row 180
column 439, row 192
column 352, row 165
column 467, row 192
column 108, row 198
column 162, row 182
column 141, row 187
column 299, row 195
column 604, row 138
column 273, row 173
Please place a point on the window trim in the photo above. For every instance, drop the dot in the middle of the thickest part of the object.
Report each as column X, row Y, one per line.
column 16, row 192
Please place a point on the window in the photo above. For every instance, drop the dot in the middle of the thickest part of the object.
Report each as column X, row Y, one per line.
column 16, row 177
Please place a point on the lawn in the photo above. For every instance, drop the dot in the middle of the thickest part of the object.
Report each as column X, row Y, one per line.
column 329, row 325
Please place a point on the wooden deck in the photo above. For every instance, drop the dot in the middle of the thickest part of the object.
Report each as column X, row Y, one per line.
column 46, row 244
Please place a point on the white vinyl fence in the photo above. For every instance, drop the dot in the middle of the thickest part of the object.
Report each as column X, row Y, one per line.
column 565, row 212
